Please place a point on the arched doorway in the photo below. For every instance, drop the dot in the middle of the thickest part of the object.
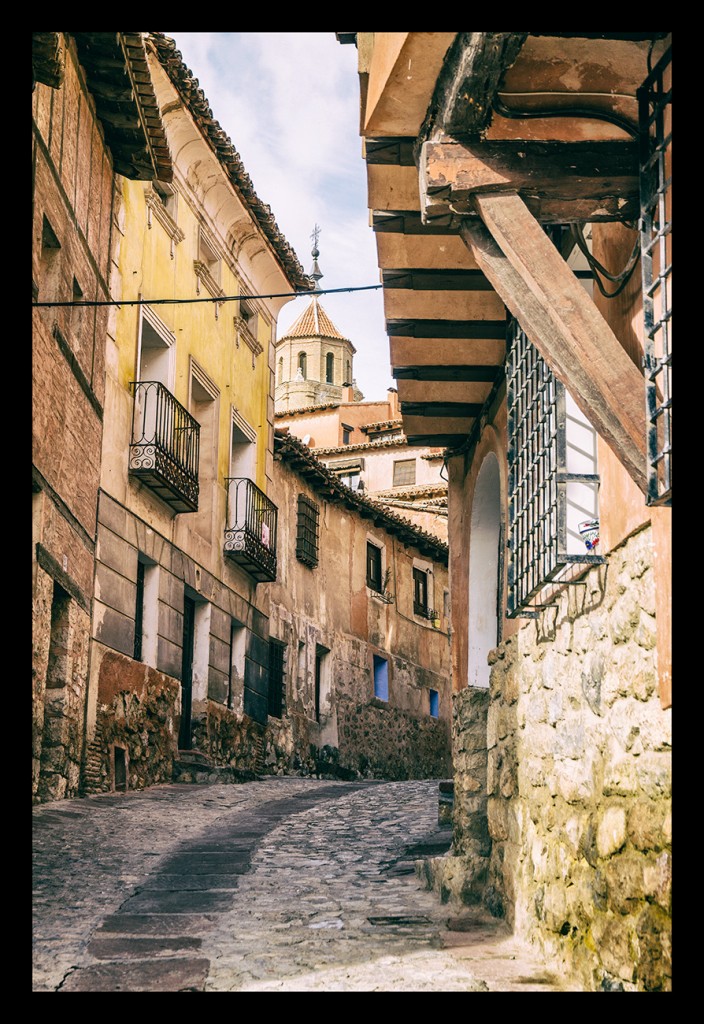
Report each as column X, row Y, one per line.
column 485, row 533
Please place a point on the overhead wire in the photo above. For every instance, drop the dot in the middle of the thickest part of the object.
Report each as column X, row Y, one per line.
column 218, row 299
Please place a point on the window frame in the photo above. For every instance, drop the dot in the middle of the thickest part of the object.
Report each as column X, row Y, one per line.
column 376, row 561
column 538, row 481
column 420, row 592
column 276, row 690
column 654, row 119
column 396, row 470
column 307, row 531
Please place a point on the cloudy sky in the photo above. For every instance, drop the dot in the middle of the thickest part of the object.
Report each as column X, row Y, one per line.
column 290, row 103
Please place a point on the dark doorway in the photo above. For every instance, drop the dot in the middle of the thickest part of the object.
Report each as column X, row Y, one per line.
column 189, row 614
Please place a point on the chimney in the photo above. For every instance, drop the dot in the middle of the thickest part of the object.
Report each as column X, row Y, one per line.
column 393, row 403
column 348, row 394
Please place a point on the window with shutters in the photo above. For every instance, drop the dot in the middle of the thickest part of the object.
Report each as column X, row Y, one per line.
column 307, row 531
column 655, row 122
column 420, row 592
column 374, row 574
column 404, row 472
column 553, row 485
column 277, row 678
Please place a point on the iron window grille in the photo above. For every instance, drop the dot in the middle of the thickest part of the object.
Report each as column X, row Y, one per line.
column 307, row 531
column 250, row 537
column 277, row 678
column 404, row 472
column 655, row 113
column 420, row 593
column 164, row 451
column 374, row 580
column 553, row 509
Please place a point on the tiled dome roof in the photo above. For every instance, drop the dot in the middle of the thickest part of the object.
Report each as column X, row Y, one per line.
column 313, row 322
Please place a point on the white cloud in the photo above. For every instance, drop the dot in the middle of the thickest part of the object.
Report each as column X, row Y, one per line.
column 290, row 103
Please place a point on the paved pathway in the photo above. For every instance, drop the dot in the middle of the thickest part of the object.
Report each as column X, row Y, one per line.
column 283, row 884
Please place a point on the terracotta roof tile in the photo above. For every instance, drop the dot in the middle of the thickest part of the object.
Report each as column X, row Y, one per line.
column 313, row 322
column 289, row 449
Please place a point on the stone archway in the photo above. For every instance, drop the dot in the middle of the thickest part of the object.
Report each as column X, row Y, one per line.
column 484, row 538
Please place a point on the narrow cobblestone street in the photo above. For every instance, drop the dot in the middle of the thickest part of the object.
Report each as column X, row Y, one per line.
column 284, row 884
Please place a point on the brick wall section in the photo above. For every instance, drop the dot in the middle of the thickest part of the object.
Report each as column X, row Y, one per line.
column 138, row 711
column 579, row 780
column 73, row 190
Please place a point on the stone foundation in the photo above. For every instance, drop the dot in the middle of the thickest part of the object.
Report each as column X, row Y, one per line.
column 378, row 741
column 138, row 709
column 579, row 781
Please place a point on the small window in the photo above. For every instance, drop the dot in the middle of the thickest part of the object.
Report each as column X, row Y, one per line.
column 208, row 255
column 346, row 433
column 281, row 369
column 655, row 122
column 51, row 247
column 420, row 592
column 553, row 483
column 404, row 472
column 250, row 317
column 168, row 195
column 352, row 479
column 302, row 361
column 277, row 678
column 373, row 566
column 381, row 678
column 329, row 367
column 434, row 703
column 307, row 531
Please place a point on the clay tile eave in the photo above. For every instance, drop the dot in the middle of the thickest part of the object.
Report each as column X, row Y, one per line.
column 289, row 449
column 196, row 102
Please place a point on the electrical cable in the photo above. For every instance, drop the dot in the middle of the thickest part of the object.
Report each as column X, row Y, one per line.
column 220, row 298
column 621, row 279
column 599, row 115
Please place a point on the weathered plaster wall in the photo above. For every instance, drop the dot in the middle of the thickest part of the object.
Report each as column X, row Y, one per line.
column 330, row 612
column 73, row 185
column 579, row 779
column 137, row 712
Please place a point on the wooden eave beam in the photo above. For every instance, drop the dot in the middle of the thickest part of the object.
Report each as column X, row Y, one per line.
column 563, row 323
column 465, row 89
column 570, row 181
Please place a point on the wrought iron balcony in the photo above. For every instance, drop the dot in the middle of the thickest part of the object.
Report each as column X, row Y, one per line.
column 165, row 446
column 250, row 537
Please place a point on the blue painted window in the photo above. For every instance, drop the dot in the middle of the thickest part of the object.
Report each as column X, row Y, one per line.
column 381, row 678
column 434, row 703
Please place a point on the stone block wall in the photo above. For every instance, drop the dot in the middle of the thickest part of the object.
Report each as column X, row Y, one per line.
column 579, row 780
column 379, row 741
column 138, row 710
column 60, row 638
column 229, row 738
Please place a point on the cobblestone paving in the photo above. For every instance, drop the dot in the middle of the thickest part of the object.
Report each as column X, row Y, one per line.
column 283, row 884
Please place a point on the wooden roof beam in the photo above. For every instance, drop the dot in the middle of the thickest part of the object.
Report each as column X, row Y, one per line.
column 471, row 73
column 559, row 181
column 563, row 323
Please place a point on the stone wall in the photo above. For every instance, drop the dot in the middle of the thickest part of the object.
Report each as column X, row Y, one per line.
column 228, row 738
column 138, row 710
column 379, row 741
column 60, row 638
column 579, row 780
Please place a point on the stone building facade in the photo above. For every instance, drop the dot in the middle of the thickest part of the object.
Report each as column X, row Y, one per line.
column 81, row 146
column 187, row 524
column 561, row 656
column 364, row 666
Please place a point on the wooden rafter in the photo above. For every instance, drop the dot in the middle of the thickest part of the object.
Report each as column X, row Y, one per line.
column 563, row 323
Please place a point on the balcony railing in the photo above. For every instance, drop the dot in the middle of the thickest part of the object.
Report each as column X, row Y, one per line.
column 165, row 446
column 250, row 537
